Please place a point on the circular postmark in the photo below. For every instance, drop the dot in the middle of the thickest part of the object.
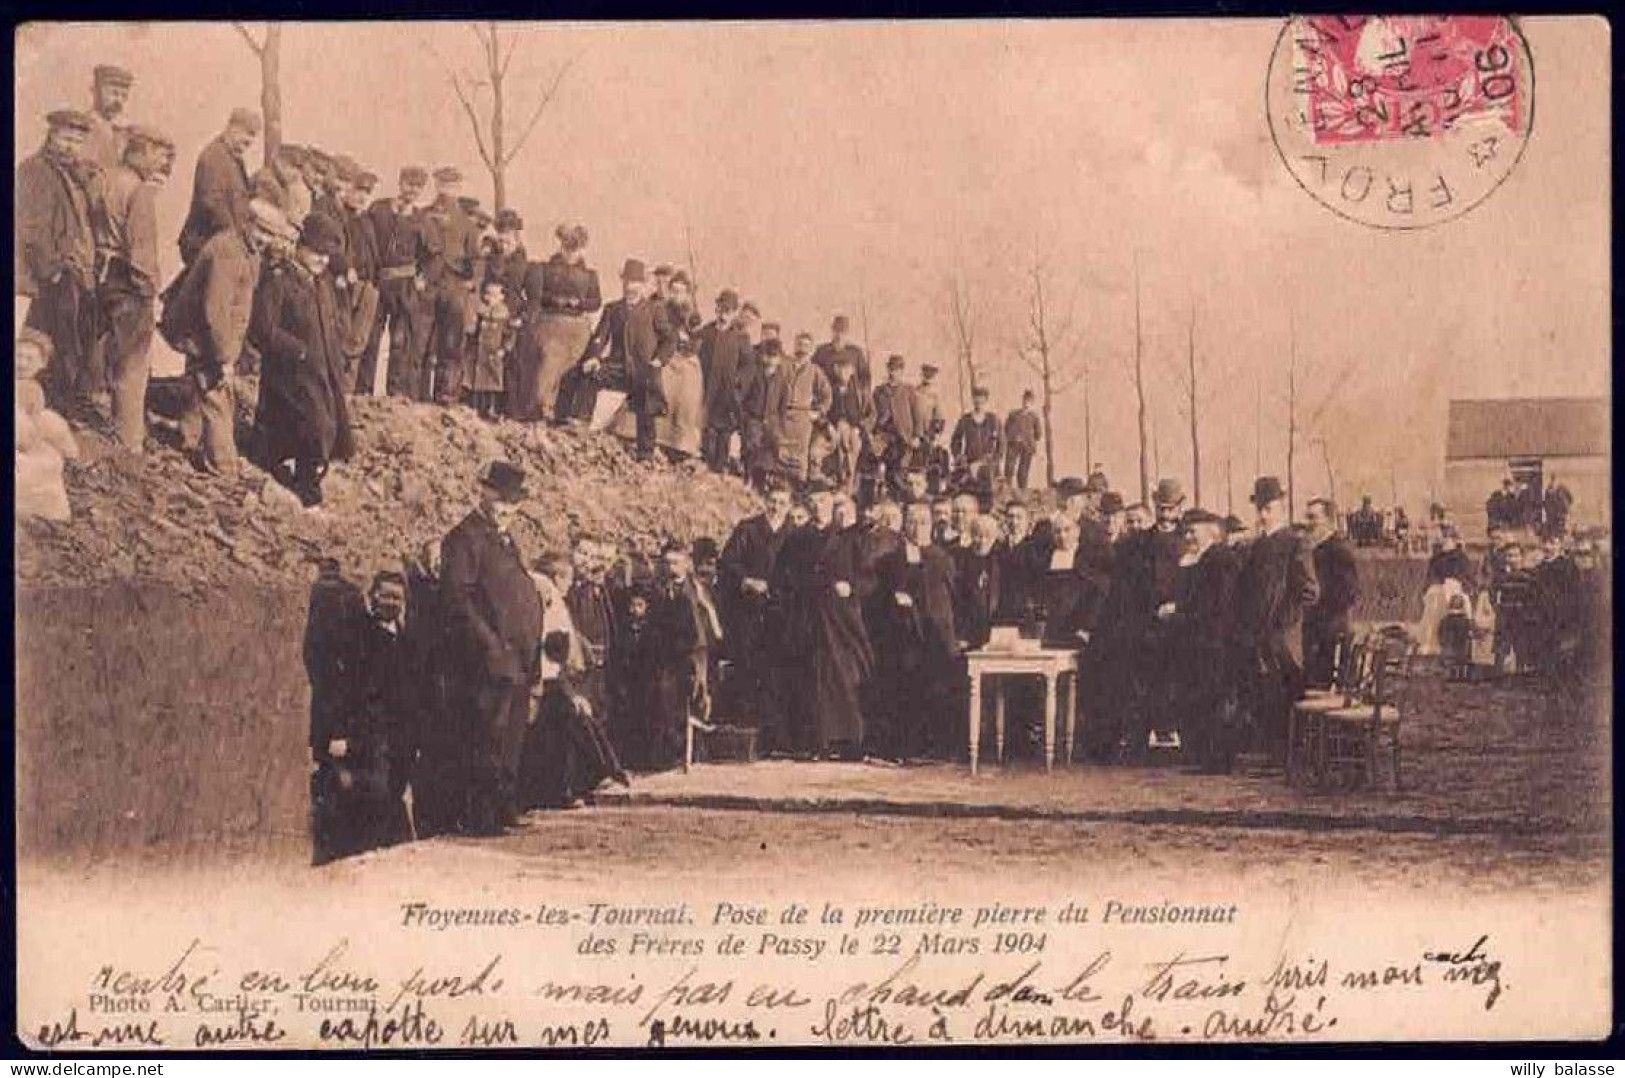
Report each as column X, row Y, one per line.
column 1400, row 122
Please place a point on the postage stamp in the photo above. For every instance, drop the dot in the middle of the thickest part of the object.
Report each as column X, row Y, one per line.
column 1400, row 122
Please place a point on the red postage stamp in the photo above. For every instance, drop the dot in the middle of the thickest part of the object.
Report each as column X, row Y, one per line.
column 1400, row 122
column 1408, row 76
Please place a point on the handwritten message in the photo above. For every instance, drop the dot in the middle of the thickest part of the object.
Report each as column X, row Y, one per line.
column 586, row 974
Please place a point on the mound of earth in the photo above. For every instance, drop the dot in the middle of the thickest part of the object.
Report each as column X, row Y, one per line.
column 413, row 476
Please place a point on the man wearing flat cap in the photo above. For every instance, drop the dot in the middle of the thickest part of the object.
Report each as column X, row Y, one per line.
column 726, row 357
column 298, row 326
column 451, row 280
column 55, row 258
column 206, row 314
column 282, row 183
column 1277, row 584
column 127, row 250
column 895, row 425
column 507, row 260
column 407, row 251
column 1022, row 430
column 493, row 626
column 976, row 439
column 839, row 345
column 220, row 187
column 109, row 93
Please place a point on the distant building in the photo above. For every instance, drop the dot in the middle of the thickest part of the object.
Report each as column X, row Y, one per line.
column 1536, row 440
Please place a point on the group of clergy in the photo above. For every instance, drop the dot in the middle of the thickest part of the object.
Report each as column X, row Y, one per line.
column 845, row 626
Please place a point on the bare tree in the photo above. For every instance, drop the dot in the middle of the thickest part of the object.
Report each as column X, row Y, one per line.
column 268, row 49
column 1331, row 477
column 1139, row 387
column 693, row 259
column 1048, row 346
column 1291, row 420
column 1186, row 376
column 491, row 133
column 961, row 311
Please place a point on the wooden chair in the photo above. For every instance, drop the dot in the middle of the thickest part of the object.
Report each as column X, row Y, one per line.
column 1355, row 736
column 1306, row 747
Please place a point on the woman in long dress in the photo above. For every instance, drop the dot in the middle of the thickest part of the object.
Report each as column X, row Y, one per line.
column 560, row 295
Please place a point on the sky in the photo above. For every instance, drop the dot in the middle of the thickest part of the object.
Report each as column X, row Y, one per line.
column 824, row 167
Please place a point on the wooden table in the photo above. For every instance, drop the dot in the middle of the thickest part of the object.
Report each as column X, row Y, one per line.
column 1049, row 664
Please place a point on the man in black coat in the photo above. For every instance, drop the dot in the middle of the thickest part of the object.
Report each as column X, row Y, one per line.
column 364, row 754
column 725, row 356
column 752, row 613
column 220, row 188
column 1277, row 584
column 1197, row 622
column 493, row 626
column 1328, row 619
column 620, row 355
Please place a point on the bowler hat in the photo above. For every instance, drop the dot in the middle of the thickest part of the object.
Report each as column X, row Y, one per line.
column 633, row 270
column 346, row 168
column 728, row 299
column 682, row 277
column 509, row 221
column 1168, row 492
column 1071, row 486
column 366, row 181
column 895, row 363
column 468, row 203
column 928, row 370
column 322, row 234
column 247, row 119
column 979, row 393
column 1111, row 502
column 504, row 480
column 1197, row 516
column 705, row 549
column 72, row 119
column 1266, row 489
column 1233, row 524
column 414, row 174
column 112, row 75
column 663, row 270
column 448, row 174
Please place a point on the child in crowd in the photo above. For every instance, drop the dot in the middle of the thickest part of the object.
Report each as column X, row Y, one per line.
column 489, row 343
column 1456, row 640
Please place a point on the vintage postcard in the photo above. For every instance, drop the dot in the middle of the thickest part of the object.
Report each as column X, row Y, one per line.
column 763, row 534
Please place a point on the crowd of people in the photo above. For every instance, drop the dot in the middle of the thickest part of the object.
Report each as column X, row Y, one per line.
column 298, row 273
column 1523, row 505
column 1528, row 608
column 834, row 627
column 473, row 684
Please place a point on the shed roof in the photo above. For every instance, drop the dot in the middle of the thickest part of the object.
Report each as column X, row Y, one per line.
column 1528, row 427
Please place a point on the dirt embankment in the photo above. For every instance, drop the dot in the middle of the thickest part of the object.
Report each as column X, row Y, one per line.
column 161, row 693
column 412, row 477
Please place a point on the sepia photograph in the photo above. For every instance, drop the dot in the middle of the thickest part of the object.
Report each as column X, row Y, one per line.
column 893, row 534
